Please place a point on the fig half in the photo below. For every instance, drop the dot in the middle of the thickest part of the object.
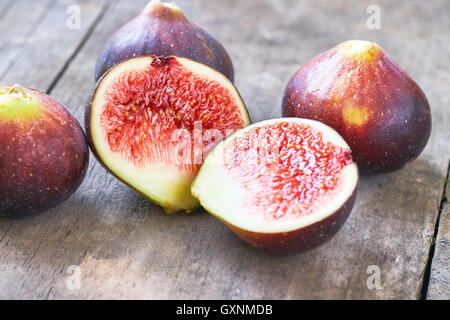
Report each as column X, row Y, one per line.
column 162, row 29
column 284, row 185
column 151, row 121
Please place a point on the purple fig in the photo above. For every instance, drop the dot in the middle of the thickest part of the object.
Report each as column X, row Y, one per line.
column 163, row 30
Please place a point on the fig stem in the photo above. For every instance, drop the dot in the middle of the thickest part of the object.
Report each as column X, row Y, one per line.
column 17, row 90
column 155, row 5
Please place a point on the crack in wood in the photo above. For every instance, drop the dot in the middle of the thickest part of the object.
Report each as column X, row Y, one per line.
column 106, row 6
column 6, row 7
column 6, row 231
column 29, row 34
column 427, row 272
column 124, row 256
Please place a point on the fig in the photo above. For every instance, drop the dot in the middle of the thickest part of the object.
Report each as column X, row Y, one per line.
column 163, row 30
column 284, row 185
column 151, row 121
column 365, row 95
column 43, row 152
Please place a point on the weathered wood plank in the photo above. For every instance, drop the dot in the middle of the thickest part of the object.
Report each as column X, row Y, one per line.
column 12, row 12
column 127, row 247
column 36, row 62
column 19, row 20
column 5, row 6
column 29, row 62
column 439, row 285
column 22, row 240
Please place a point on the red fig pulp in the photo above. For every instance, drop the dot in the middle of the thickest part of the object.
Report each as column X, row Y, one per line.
column 152, row 120
column 281, row 184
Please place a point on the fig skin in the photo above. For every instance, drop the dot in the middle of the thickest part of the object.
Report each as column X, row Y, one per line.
column 162, row 30
column 364, row 95
column 43, row 153
column 300, row 240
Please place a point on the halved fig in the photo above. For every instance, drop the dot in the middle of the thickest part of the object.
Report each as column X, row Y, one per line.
column 151, row 121
column 284, row 185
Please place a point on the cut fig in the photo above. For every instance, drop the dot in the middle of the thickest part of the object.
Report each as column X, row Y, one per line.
column 163, row 30
column 284, row 185
column 152, row 120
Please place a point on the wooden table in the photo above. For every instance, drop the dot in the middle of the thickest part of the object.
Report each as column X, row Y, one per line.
column 122, row 246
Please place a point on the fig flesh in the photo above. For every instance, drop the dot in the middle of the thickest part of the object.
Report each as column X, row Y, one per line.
column 363, row 94
column 43, row 152
column 283, row 185
column 151, row 120
column 162, row 30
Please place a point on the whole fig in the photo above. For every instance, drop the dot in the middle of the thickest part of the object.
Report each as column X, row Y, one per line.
column 163, row 30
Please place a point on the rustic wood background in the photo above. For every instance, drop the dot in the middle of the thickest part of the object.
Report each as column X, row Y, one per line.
column 126, row 247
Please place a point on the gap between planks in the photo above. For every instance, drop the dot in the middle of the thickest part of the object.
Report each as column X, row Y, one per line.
column 86, row 37
column 427, row 272
column 6, row 7
column 106, row 5
column 30, row 33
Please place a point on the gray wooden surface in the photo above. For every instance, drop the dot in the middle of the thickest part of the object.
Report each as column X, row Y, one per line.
column 439, row 286
column 123, row 246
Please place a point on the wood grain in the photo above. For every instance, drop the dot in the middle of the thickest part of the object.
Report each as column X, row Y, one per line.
column 439, row 285
column 126, row 247
column 5, row 6
column 16, row 32
column 35, row 56
column 49, row 44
